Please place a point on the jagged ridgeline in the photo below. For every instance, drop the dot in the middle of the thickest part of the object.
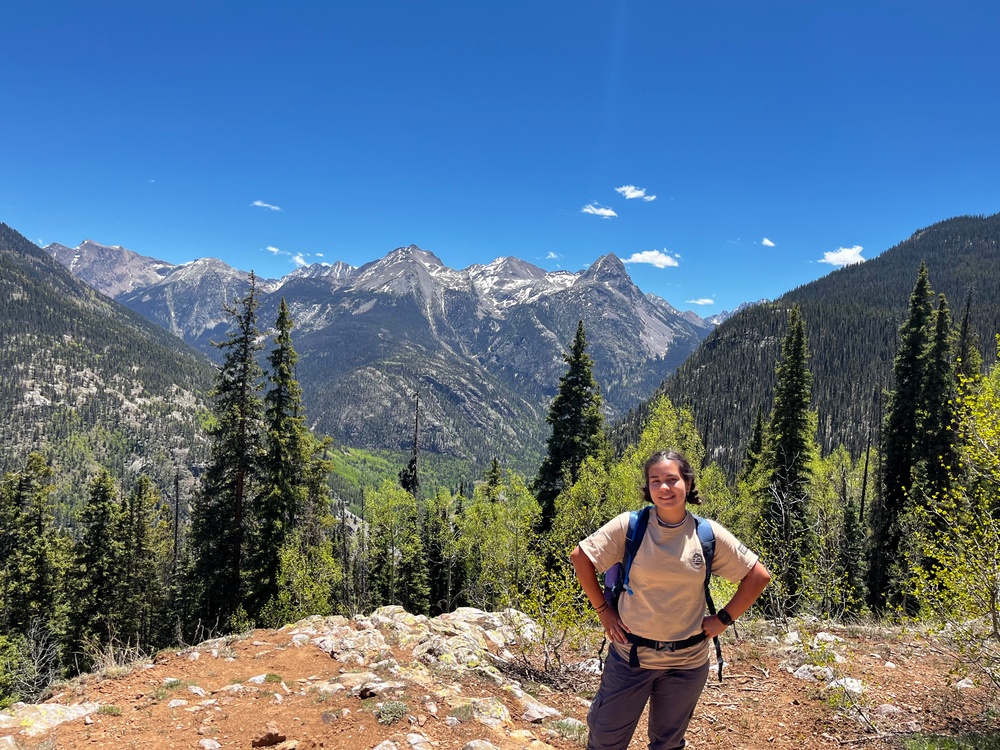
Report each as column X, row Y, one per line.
column 852, row 319
column 483, row 346
column 89, row 383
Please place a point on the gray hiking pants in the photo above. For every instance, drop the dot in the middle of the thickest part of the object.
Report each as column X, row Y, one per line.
column 624, row 691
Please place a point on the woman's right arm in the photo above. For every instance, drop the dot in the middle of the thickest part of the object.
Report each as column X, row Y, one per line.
column 586, row 574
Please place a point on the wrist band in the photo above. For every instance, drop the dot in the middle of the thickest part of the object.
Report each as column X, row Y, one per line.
column 600, row 609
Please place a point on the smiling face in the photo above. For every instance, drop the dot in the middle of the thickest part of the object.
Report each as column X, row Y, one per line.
column 667, row 490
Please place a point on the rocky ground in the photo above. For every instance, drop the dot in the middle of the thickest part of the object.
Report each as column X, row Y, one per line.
column 396, row 682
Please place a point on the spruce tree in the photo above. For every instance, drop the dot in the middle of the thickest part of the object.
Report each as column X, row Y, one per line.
column 937, row 445
column 285, row 467
column 30, row 564
column 409, row 478
column 96, row 583
column 577, row 428
column 755, row 447
column 899, row 440
column 968, row 360
column 145, row 566
column 789, row 449
column 219, row 520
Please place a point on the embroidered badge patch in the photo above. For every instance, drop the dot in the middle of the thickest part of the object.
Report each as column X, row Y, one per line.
column 697, row 560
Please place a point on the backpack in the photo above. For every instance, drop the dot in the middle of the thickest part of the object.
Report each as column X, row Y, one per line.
column 616, row 577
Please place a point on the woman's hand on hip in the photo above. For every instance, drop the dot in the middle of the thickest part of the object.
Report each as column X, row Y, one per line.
column 614, row 628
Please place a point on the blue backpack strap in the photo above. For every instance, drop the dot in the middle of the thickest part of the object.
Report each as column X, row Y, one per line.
column 706, row 535
column 637, row 522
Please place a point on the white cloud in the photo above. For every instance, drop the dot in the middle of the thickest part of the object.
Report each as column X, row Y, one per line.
column 275, row 251
column 299, row 260
column 843, row 256
column 653, row 258
column 631, row 191
column 766, row 242
column 268, row 206
column 552, row 256
column 598, row 210
column 702, row 301
column 320, row 255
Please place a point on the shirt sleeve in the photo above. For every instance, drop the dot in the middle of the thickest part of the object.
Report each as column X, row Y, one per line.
column 606, row 546
column 733, row 559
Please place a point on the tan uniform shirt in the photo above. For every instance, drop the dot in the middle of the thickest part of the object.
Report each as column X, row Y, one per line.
column 667, row 580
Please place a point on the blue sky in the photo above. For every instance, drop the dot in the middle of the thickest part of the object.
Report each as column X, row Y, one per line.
column 729, row 150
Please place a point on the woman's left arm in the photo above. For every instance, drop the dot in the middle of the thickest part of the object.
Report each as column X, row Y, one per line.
column 750, row 587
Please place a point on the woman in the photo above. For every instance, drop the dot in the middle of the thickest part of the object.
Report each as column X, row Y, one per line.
column 666, row 605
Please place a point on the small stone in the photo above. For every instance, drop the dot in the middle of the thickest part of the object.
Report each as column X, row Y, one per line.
column 272, row 735
column 887, row 709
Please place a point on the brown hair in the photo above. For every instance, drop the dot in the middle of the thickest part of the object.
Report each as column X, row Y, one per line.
column 686, row 471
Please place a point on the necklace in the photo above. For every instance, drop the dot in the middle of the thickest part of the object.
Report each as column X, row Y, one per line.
column 671, row 525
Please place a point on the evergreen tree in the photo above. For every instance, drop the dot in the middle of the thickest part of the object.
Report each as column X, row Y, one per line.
column 98, row 593
column 755, row 447
column 31, row 570
column 790, row 447
column 577, row 428
column 851, row 563
column 409, row 478
column 968, row 360
column 219, row 518
column 493, row 480
column 285, row 467
column 900, row 440
column 937, row 443
column 145, row 566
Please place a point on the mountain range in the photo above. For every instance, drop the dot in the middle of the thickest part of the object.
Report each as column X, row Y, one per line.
column 90, row 383
column 482, row 347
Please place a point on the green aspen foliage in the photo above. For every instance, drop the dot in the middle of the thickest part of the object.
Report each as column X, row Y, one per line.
column 960, row 533
column 396, row 558
column 498, row 543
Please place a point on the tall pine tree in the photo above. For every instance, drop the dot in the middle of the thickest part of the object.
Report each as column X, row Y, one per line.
column 30, row 562
column 789, row 449
column 219, row 518
column 96, row 583
column 285, row 468
column 900, row 439
column 577, row 428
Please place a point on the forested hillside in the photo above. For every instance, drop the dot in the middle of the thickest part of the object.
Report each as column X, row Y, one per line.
column 89, row 383
column 852, row 317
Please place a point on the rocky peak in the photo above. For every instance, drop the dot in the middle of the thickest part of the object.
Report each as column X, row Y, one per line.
column 337, row 271
column 110, row 269
column 607, row 269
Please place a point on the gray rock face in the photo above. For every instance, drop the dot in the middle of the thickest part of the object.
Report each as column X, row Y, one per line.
column 112, row 271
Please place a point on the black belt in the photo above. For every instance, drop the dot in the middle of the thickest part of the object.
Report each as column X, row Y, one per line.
column 638, row 640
